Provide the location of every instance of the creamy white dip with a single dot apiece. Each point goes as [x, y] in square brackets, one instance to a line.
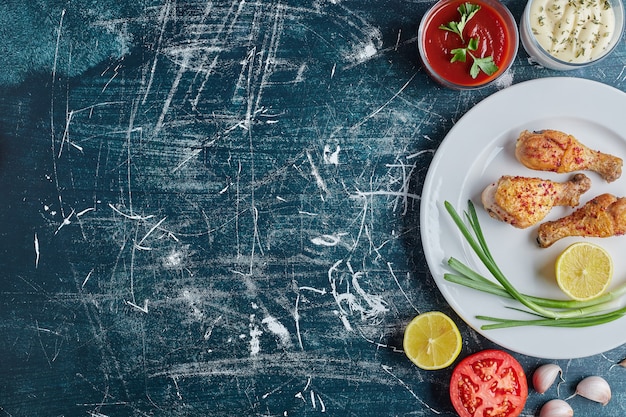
[573, 30]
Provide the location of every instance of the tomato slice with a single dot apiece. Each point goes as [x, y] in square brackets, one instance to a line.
[490, 383]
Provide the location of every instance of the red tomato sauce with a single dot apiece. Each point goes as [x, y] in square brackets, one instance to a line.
[494, 39]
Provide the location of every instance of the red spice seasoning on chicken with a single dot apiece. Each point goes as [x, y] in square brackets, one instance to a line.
[523, 201]
[552, 150]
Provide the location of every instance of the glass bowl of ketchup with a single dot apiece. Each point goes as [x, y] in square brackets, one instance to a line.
[467, 44]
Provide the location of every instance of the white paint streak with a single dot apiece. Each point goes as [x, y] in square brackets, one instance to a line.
[86, 279]
[255, 334]
[344, 320]
[322, 291]
[368, 45]
[322, 405]
[404, 384]
[168, 101]
[296, 318]
[192, 302]
[130, 216]
[388, 193]
[209, 330]
[152, 229]
[300, 75]
[395, 48]
[372, 308]
[174, 259]
[37, 254]
[189, 157]
[389, 265]
[143, 309]
[66, 221]
[381, 345]
[165, 11]
[376, 304]
[52, 111]
[331, 157]
[278, 329]
[328, 240]
[178, 394]
[318, 178]
[87, 210]
[375, 112]
[296, 313]
[368, 52]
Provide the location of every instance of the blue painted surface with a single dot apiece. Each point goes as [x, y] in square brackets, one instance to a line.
[211, 208]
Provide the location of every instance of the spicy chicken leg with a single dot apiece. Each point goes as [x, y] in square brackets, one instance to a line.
[551, 150]
[523, 202]
[604, 216]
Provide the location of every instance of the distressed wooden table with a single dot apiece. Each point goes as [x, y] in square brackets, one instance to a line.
[210, 208]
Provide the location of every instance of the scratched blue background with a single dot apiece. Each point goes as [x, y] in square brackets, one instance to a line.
[211, 208]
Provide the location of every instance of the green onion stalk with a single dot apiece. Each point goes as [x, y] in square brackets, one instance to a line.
[548, 312]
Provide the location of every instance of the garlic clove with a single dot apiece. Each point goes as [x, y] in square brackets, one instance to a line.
[594, 388]
[544, 377]
[556, 408]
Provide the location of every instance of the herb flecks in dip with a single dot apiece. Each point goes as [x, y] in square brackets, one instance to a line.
[575, 31]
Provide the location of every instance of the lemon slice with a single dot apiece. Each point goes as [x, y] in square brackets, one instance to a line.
[432, 340]
[584, 270]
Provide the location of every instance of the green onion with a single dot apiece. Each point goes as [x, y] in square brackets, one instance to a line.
[550, 312]
[472, 279]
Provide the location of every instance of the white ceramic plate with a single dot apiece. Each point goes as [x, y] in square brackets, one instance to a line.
[476, 152]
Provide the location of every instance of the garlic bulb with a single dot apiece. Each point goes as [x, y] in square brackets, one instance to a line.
[594, 388]
[544, 377]
[556, 408]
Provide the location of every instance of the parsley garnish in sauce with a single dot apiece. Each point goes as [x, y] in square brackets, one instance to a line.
[484, 64]
[467, 11]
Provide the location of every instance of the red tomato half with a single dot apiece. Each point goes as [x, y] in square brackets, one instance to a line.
[488, 383]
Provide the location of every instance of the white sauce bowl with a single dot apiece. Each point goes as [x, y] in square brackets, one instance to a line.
[543, 57]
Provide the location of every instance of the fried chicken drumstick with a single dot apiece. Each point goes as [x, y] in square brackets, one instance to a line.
[604, 216]
[552, 150]
[523, 202]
